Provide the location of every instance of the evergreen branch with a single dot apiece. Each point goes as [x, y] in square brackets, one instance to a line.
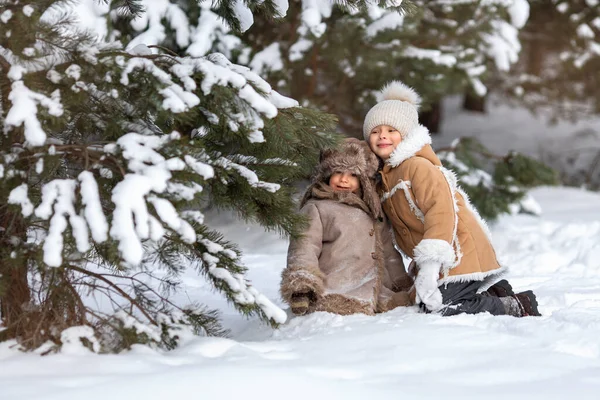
[131, 300]
[171, 52]
[4, 64]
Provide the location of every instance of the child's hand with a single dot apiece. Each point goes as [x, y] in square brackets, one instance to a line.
[426, 285]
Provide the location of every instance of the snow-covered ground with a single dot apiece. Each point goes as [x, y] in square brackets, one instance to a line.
[402, 353]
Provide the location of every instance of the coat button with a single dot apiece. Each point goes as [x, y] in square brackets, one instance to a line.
[405, 231]
[373, 255]
[371, 232]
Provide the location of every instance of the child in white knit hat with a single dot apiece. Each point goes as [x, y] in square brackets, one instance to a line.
[433, 220]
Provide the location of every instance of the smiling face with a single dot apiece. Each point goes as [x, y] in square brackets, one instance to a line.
[344, 182]
[383, 140]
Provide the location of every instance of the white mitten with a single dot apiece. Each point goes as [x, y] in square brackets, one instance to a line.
[426, 285]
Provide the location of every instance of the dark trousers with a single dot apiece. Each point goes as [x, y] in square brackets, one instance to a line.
[462, 298]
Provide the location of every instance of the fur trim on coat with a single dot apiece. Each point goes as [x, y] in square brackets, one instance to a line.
[355, 156]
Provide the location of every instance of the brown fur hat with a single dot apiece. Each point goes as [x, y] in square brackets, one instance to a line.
[352, 155]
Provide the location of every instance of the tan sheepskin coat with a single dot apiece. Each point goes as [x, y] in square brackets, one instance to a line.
[432, 217]
[346, 256]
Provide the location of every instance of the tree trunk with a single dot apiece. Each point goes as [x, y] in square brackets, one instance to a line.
[473, 102]
[14, 286]
[432, 119]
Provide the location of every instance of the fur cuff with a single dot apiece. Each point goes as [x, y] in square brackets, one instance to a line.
[435, 250]
[300, 280]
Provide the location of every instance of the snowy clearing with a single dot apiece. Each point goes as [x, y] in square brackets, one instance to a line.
[401, 353]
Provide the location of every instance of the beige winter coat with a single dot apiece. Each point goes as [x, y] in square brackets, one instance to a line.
[432, 217]
[346, 256]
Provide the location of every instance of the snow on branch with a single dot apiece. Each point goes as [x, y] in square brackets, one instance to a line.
[93, 213]
[19, 196]
[58, 197]
[247, 174]
[24, 111]
[243, 292]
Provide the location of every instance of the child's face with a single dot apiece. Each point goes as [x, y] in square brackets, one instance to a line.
[344, 182]
[383, 140]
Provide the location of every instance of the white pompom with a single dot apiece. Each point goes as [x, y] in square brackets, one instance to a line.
[397, 90]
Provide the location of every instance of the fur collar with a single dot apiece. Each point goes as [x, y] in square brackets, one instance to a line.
[322, 191]
[410, 145]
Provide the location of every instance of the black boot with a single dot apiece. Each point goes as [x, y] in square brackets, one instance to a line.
[528, 303]
[501, 289]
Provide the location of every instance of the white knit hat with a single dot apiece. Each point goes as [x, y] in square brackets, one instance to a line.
[399, 109]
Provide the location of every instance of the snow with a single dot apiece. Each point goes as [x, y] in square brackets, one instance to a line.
[73, 71]
[6, 16]
[151, 28]
[91, 16]
[562, 7]
[202, 169]
[281, 102]
[248, 174]
[168, 214]
[24, 111]
[243, 15]
[141, 50]
[391, 20]
[519, 13]
[93, 213]
[584, 31]
[268, 59]
[403, 352]
[19, 196]
[282, 7]
[132, 222]
[435, 56]
[72, 343]
[58, 197]
[39, 166]
[298, 49]
[259, 103]
[503, 45]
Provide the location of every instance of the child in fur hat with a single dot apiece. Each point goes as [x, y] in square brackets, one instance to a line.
[345, 262]
[433, 220]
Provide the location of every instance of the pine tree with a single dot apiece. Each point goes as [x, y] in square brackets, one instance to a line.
[437, 47]
[558, 75]
[106, 158]
[496, 184]
[333, 55]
